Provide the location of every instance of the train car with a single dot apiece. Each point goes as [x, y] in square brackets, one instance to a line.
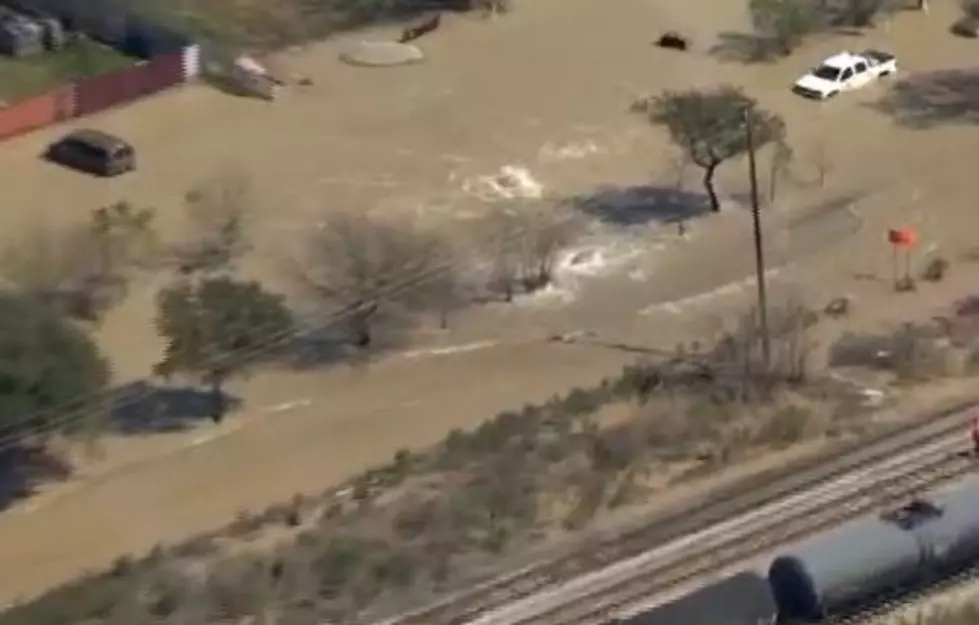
[869, 558]
[742, 599]
[950, 539]
[830, 572]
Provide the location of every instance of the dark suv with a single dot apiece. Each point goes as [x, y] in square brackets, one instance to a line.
[94, 152]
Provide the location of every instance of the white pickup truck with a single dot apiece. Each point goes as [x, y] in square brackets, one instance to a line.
[844, 72]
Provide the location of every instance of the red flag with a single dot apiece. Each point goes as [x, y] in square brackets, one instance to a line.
[902, 237]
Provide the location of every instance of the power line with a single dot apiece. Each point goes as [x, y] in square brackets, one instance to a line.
[78, 409]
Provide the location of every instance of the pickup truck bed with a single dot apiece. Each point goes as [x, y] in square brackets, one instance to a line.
[877, 56]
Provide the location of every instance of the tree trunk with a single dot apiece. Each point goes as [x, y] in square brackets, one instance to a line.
[361, 331]
[360, 325]
[715, 203]
[218, 407]
[444, 317]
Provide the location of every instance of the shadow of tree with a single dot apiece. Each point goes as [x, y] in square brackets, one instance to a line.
[138, 408]
[928, 99]
[145, 408]
[641, 204]
[24, 468]
[331, 345]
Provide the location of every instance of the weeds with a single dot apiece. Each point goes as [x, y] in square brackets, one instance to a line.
[936, 269]
[786, 426]
[408, 528]
[912, 352]
[965, 613]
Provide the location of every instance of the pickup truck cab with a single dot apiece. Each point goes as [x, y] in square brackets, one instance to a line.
[845, 72]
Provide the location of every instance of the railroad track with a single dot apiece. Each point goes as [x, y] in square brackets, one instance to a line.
[605, 604]
[709, 511]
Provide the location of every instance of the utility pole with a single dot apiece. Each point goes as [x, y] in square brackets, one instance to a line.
[766, 345]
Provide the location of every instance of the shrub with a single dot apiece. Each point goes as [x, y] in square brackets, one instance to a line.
[636, 382]
[785, 426]
[625, 490]
[917, 354]
[245, 523]
[615, 449]
[362, 491]
[936, 269]
[339, 561]
[294, 514]
[581, 402]
[781, 25]
[913, 352]
[195, 547]
[496, 539]
[415, 517]
[861, 350]
[398, 569]
[589, 498]
[859, 13]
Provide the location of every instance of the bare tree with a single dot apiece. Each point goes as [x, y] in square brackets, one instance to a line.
[737, 356]
[124, 238]
[822, 162]
[781, 161]
[780, 26]
[447, 294]
[677, 169]
[859, 13]
[363, 266]
[84, 268]
[43, 260]
[500, 232]
[218, 211]
[523, 240]
[492, 8]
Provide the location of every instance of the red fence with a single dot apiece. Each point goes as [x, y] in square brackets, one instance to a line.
[91, 95]
[37, 112]
[127, 84]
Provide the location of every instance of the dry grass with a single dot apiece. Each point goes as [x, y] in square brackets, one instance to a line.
[424, 523]
[958, 613]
